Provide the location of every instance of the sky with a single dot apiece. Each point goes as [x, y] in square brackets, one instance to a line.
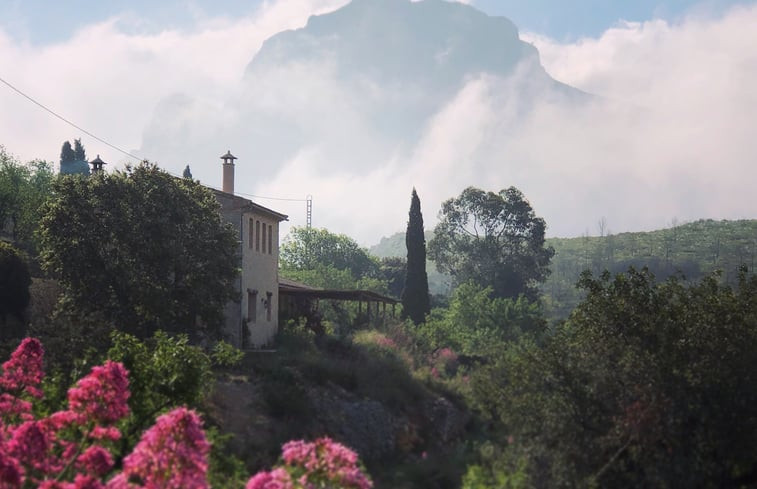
[671, 138]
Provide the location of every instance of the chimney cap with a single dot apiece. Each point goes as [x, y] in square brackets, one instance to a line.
[228, 157]
[97, 164]
[98, 160]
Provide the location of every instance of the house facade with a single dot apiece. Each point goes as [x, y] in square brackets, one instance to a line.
[252, 320]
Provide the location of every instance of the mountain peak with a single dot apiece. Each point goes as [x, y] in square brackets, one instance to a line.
[400, 39]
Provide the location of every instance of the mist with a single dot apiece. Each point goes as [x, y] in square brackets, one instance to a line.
[668, 135]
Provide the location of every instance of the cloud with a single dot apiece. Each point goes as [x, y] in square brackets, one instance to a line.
[670, 135]
[109, 80]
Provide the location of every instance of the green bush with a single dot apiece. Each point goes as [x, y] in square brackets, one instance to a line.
[14, 289]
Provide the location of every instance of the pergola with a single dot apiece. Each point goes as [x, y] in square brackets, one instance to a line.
[296, 290]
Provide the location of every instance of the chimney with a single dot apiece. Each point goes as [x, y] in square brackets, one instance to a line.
[228, 172]
[97, 165]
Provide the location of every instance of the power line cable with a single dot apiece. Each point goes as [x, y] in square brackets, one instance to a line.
[44, 107]
[49, 110]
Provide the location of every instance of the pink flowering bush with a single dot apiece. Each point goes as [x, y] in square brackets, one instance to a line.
[323, 463]
[71, 448]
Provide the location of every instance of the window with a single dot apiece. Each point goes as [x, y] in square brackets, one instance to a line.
[263, 237]
[252, 305]
[268, 296]
[257, 235]
[270, 239]
[251, 233]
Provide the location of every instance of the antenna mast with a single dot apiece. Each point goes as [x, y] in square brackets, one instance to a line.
[309, 218]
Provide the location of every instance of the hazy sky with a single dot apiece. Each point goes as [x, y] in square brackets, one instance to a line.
[672, 136]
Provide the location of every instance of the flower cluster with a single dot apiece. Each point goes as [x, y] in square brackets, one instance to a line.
[62, 450]
[69, 448]
[386, 342]
[444, 362]
[322, 463]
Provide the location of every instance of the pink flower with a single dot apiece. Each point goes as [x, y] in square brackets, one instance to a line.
[102, 395]
[171, 455]
[326, 460]
[13, 406]
[447, 354]
[95, 460]
[11, 473]
[30, 445]
[434, 372]
[24, 368]
[105, 433]
[82, 481]
[275, 479]
[387, 342]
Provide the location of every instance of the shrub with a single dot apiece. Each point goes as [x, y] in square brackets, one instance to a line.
[73, 448]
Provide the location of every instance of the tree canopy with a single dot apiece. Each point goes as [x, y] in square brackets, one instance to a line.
[646, 385]
[14, 286]
[146, 250]
[310, 249]
[493, 239]
[415, 300]
[23, 189]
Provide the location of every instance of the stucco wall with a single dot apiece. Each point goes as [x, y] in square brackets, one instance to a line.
[259, 272]
[260, 277]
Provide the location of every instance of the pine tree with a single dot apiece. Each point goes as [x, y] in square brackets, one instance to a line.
[415, 300]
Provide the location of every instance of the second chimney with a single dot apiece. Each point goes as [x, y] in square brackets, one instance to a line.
[228, 172]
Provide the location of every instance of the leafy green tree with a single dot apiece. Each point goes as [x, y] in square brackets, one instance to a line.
[144, 249]
[494, 239]
[646, 385]
[392, 271]
[14, 288]
[23, 189]
[309, 248]
[477, 323]
[415, 301]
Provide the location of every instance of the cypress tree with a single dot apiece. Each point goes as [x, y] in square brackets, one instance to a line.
[415, 300]
[79, 153]
[67, 154]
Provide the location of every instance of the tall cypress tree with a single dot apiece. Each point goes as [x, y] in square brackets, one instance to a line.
[415, 301]
[67, 154]
[79, 153]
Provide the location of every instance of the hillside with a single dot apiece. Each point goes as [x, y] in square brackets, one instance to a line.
[694, 249]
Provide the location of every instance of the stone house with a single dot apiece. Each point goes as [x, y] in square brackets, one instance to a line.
[252, 321]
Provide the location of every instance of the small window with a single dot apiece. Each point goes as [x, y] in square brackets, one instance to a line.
[263, 237]
[251, 233]
[268, 296]
[252, 305]
[257, 235]
[270, 239]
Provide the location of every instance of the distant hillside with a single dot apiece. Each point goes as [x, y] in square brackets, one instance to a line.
[692, 249]
[394, 245]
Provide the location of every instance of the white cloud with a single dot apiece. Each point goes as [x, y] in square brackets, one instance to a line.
[672, 134]
[110, 82]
